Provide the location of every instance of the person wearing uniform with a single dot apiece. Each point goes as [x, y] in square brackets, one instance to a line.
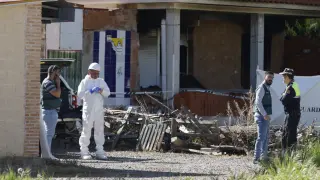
[93, 90]
[262, 113]
[291, 102]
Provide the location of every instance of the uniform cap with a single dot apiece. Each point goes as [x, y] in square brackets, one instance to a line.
[287, 71]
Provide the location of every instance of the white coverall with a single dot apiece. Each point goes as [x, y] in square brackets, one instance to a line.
[92, 113]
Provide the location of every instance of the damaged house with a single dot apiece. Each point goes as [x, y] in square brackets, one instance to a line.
[199, 52]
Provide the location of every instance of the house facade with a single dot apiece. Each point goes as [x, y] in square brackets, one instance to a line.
[181, 45]
[219, 43]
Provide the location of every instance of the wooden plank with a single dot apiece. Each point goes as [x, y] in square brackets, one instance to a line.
[143, 136]
[197, 134]
[164, 127]
[152, 132]
[140, 138]
[195, 122]
[199, 151]
[151, 137]
[160, 134]
[155, 144]
[156, 137]
[146, 135]
[115, 142]
[174, 126]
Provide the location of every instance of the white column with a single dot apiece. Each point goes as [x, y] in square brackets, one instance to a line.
[256, 46]
[173, 51]
[164, 58]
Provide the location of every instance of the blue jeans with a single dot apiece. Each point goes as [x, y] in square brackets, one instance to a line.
[261, 147]
[50, 118]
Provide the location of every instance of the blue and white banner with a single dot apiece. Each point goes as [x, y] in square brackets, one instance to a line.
[112, 50]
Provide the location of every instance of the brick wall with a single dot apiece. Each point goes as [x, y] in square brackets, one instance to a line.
[19, 79]
[217, 54]
[33, 35]
[124, 19]
[121, 19]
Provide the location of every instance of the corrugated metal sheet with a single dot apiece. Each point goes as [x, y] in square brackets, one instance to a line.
[73, 73]
[298, 2]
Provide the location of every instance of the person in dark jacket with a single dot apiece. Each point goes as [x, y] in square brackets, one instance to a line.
[291, 102]
[262, 113]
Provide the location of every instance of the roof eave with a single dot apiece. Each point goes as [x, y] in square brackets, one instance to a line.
[107, 3]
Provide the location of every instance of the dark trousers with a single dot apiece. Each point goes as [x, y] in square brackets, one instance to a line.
[289, 137]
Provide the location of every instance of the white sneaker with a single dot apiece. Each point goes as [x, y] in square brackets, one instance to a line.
[54, 158]
[86, 157]
[51, 157]
[101, 156]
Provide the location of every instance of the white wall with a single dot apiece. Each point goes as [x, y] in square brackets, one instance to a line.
[12, 80]
[53, 36]
[66, 35]
[71, 32]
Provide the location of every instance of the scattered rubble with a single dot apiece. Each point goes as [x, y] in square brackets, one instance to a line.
[185, 131]
[152, 126]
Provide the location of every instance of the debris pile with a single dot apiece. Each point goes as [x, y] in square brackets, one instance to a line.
[174, 130]
[151, 125]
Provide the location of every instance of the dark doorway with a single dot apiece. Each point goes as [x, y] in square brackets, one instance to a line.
[183, 59]
[245, 61]
[267, 51]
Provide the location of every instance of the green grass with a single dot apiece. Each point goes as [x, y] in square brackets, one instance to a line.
[302, 164]
[12, 175]
[289, 168]
[312, 152]
[21, 174]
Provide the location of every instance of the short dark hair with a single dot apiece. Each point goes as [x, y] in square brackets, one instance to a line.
[268, 73]
[290, 76]
[53, 68]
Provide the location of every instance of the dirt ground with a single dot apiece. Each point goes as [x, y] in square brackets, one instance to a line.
[156, 165]
[132, 165]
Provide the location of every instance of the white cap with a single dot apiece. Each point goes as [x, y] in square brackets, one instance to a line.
[94, 66]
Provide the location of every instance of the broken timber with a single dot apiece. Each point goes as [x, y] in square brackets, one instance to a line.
[151, 137]
[115, 141]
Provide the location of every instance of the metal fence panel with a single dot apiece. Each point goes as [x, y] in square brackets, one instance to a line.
[72, 74]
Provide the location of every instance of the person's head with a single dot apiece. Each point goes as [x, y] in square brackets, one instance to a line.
[94, 70]
[268, 77]
[54, 71]
[288, 75]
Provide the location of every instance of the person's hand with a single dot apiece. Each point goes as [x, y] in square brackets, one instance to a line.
[57, 80]
[267, 117]
[100, 91]
[95, 90]
[92, 90]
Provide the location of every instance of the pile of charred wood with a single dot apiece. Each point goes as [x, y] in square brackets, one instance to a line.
[179, 130]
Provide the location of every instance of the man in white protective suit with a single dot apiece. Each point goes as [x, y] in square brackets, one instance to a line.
[92, 90]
